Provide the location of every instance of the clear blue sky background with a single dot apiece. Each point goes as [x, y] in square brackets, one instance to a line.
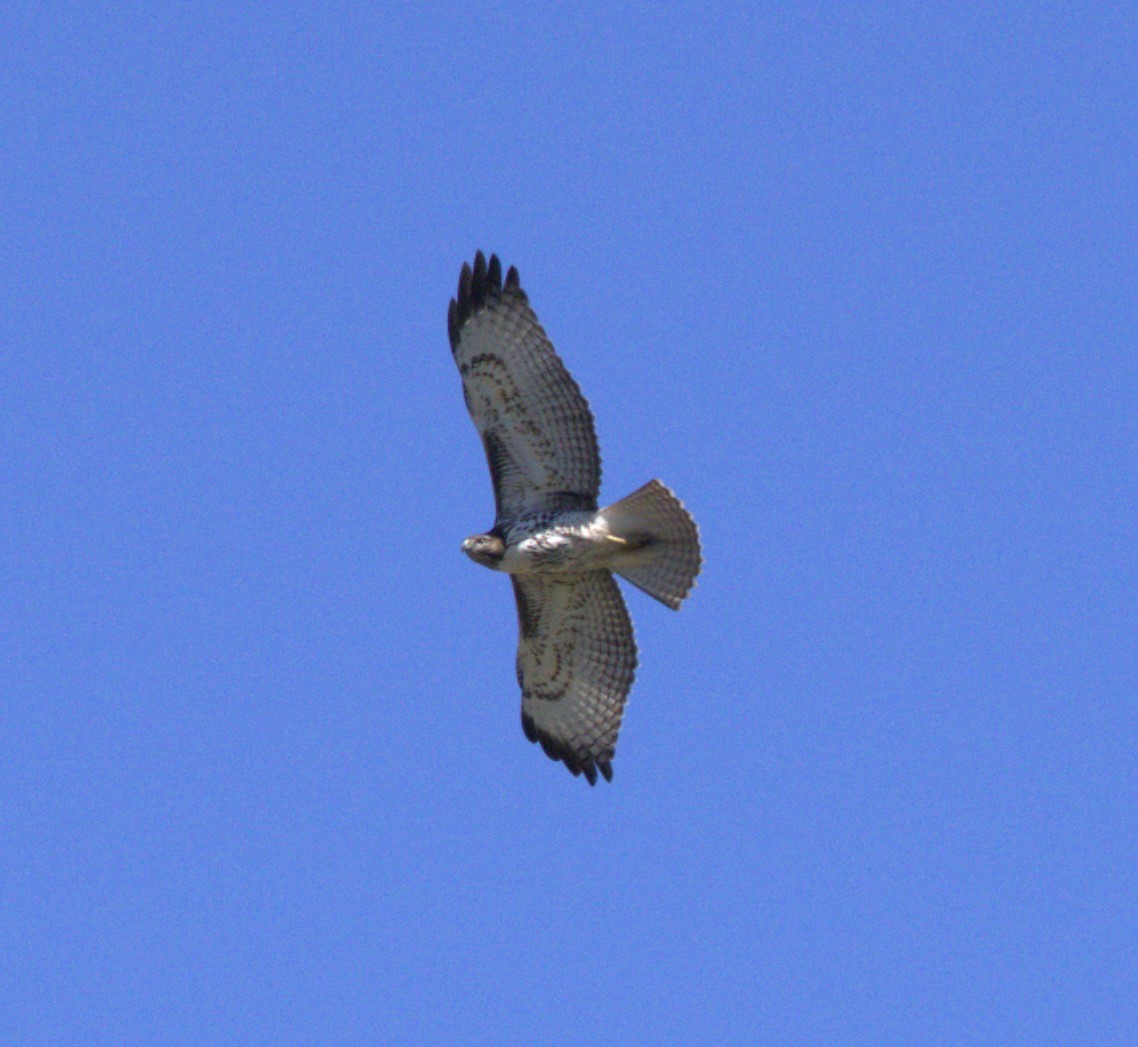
[859, 282]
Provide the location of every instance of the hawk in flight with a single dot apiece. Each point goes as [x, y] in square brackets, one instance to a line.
[576, 650]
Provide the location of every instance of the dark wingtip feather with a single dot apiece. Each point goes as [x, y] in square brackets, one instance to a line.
[528, 727]
[478, 284]
[556, 750]
[475, 286]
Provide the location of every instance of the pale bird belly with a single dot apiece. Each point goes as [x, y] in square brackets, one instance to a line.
[557, 552]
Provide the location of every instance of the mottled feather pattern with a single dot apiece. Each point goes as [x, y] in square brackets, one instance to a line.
[535, 425]
[576, 665]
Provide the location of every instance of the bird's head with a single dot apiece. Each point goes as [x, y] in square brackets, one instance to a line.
[486, 549]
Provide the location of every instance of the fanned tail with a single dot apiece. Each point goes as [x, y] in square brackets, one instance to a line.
[661, 542]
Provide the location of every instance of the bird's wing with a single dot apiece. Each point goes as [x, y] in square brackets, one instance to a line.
[535, 425]
[576, 663]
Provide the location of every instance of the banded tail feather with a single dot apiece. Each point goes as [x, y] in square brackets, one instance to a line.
[662, 541]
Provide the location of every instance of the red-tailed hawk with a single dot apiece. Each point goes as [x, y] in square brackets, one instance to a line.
[576, 651]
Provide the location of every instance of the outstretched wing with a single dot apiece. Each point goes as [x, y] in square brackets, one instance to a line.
[535, 424]
[576, 662]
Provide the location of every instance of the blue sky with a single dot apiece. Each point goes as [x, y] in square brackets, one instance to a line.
[859, 282]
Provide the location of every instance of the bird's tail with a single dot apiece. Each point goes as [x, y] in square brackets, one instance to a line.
[659, 543]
